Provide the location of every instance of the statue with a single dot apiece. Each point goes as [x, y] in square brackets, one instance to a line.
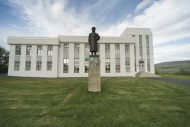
[93, 39]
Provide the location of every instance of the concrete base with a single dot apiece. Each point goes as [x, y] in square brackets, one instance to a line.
[94, 81]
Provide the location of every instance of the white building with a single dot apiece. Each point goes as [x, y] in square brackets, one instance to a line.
[67, 56]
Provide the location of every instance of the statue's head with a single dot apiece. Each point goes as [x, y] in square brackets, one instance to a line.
[93, 29]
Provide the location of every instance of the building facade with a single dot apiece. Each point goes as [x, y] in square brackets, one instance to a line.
[67, 56]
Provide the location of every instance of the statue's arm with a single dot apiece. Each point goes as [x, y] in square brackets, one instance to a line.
[89, 38]
[98, 37]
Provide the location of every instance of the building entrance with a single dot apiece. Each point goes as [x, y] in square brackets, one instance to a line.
[141, 66]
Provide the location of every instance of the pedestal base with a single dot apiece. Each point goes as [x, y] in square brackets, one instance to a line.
[94, 81]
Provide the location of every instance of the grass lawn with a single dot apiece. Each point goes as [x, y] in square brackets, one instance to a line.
[65, 102]
[183, 77]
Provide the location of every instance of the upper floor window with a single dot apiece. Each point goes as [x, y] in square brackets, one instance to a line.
[107, 48]
[39, 50]
[133, 35]
[66, 48]
[17, 50]
[50, 50]
[76, 46]
[126, 48]
[87, 48]
[117, 49]
[147, 40]
[140, 39]
[29, 50]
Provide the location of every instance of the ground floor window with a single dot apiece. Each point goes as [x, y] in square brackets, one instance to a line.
[107, 65]
[28, 66]
[49, 65]
[38, 65]
[65, 65]
[86, 65]
[17, 66]
[76, 65]
[127, 65]
[117, 65]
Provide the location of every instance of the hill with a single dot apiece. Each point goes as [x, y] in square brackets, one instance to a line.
[174, 65]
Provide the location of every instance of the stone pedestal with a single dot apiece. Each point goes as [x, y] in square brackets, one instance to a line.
[94, 81]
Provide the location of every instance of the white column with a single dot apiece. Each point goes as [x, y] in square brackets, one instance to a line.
[132, 68]
[22, 59]
[55, 61]
[71, 58]
[11, 60]
[137, 53]
[112, 59]
[44, 58]
[33, 59]
[151, 54]
[122, 59]
[81, 58]
[144, 52]
[60, 57]
[102, 59]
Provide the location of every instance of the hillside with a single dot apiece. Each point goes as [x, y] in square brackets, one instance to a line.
[174, 65]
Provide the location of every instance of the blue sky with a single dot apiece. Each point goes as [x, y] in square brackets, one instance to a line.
[169, 21]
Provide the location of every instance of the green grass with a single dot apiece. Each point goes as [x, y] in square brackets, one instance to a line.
[65, 102]
[183, 77]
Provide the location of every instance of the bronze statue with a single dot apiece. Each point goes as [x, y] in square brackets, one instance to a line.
[93, 39]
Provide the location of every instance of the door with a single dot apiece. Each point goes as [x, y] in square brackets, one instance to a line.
[141, 66]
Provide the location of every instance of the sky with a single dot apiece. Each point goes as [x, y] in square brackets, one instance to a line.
[169, 21]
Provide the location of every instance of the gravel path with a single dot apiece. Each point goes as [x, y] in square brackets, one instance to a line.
[172, 80]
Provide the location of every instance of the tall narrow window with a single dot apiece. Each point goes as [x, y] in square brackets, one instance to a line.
[107, 48]
[117, 49]
[38, 65]
[66, 48]
[140, 39]
[28, 66]
[86, 65]
[39, 50]
[141, 52]
[117, 65]
[17, 50]
[49, 65]
[87, 48]
[65, 65]
[17, 66]
[127, 64]
[147, 40]
[50, 50]
[148, 65]
[126, 48]
[107, 65]
[29, 50]
[76, 65]
[76, 48]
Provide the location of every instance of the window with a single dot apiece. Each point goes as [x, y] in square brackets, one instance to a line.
[117, 49]
[49, 65]
[127, 64]
[140, 39]
[117, 65]
[38, 65]
[28, 65]
[148, 65]
[141, 52]
[39, 50]
[76, 48]
[107, 65]
[17, 66]
[50, 50]
[86, 65]
[87, 48]
[133, 35]
[135, 65]
[147, 40]
[107, 48]
[135, 51]
[18, 50]
[65, 65]
[66, 48]
[126, 48]
[29, 50]
[76, 65]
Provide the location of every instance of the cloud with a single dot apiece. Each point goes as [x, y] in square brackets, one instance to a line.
[172, 53]
[143, 5]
